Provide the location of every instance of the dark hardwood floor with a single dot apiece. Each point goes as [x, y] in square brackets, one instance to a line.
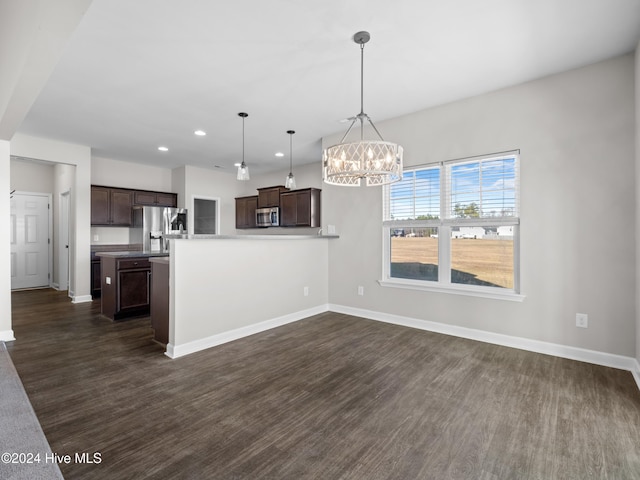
[329, 397]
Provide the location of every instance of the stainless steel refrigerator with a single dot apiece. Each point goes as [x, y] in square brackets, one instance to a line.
[152, 224]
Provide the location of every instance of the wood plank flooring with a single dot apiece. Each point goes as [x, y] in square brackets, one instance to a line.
[329, 397]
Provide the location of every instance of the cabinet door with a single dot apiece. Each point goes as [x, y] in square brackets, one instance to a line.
[288, 210]
[246, 212]
[269, 197]
[144, 198]
[273, 197]
[166, 199]
[133, 289]
[252, 205]
[241, 213]
[303, 209]
[100, 206]
[121, 203]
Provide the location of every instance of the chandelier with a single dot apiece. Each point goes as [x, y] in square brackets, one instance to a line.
[377, 161]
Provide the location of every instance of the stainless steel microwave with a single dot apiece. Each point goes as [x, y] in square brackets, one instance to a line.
[268, 217]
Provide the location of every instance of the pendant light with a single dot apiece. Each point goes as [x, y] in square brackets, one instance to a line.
[290, 182]
[377, 161]
[243, 170]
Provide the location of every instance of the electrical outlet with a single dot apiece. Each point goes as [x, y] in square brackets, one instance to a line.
[107, 280]
[582, 320]
[96, 238]
[360, 290]
[306, 291]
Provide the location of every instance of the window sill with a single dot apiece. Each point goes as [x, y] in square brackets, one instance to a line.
[491, 293]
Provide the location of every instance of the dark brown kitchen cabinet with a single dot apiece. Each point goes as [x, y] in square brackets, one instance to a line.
[246, 212]
[126, 284]
[300, 208]
[111, 206]
[160, 300]
[270, 196]
[95, 277]
[158, 199]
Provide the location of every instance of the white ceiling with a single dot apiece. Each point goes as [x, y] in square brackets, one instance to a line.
[139, 74]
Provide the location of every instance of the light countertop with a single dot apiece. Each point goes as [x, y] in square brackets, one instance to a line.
[132, 254]
[248, 237]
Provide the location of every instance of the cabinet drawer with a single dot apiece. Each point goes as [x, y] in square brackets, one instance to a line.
[134, 263]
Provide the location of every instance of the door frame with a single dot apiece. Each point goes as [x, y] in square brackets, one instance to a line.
[49, 227]
[63, 254]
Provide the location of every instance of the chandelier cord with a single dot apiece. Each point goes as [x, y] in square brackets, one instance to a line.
[362, 114]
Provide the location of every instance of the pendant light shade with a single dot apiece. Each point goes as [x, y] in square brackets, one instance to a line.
[377, 161]
[243, 170]
[290, 182]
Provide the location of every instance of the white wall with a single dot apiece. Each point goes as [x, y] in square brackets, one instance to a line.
[637, 93]
[178, 184]
[575, 131]
[30, 176]
[6, 332]
[80, 156]
[223, 285]
[116, 173]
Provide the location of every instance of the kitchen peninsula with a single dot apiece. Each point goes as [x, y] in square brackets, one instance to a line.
[224, 287]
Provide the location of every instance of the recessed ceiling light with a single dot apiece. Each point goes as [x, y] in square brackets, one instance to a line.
[279, 154]
[200, 133]
[163, 149]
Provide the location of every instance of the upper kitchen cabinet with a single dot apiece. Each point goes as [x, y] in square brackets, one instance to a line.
[158, 199]
[300, 208]
[111, 206]
[270, 196]
[246, 212]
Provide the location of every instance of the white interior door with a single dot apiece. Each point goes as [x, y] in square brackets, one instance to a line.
[29, 233]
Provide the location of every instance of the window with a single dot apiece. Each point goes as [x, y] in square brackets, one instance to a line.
[205, 215]
[454, 226]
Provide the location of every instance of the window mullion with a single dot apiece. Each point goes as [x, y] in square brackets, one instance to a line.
[444, 254]
[444, 231]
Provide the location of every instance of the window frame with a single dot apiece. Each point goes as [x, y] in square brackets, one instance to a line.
[445, 223]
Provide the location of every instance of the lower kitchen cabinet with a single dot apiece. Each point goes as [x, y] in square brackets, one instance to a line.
[96, 287]
[126, 284]
[300, 208]
[160, 299]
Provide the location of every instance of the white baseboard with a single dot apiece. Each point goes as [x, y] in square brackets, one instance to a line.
[563, 351]
[175, 351]
[7, 336]
[81, 299]
[636, 373]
